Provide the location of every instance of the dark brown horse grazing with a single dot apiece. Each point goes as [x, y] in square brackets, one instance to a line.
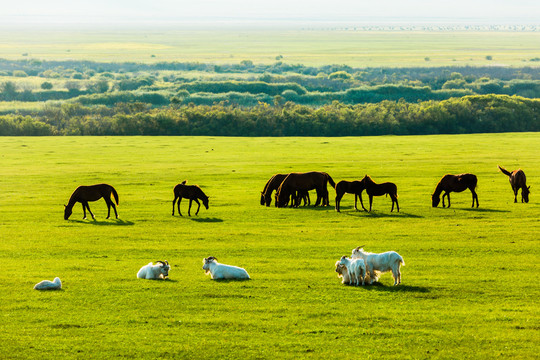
[191, 192]
[350, 187]
[271, 185]
[84, 194]
[374, 189]
[457, 183]
[518, 180]
[304, 182]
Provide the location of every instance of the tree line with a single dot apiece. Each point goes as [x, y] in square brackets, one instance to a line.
[468, 114]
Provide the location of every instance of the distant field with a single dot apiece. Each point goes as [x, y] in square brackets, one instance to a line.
[470, 287]
[310, 47]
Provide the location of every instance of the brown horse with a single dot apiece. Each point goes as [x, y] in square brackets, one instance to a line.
[304, 182]
[374, 189]
[84, 194]
[518, 180]
[191, 192]
[271, 185]
[350, 187]
[457, 183]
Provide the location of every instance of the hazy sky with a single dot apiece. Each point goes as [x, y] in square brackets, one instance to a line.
[177, 11]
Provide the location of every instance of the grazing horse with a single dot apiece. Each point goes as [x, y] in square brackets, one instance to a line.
[191, 192]
[351, 187]
[374, 189]
[271, 185]
[518, 180]
[457, 183]
[304, 182]
[84, 194]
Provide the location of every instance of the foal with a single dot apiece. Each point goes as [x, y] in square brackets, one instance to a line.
[191, 192]
[350, 187]
[374, 189]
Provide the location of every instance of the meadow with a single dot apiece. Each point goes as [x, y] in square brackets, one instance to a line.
[357, 47]
[469, 287]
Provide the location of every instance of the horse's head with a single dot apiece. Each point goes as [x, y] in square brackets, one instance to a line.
[525, 191]
[435, 200]
[205, 202]
[263, 202]
[282, 199]
[68, 210]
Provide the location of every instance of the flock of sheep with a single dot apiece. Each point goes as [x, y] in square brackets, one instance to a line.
[360, 268]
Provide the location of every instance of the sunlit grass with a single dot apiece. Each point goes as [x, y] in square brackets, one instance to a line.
[469, 285]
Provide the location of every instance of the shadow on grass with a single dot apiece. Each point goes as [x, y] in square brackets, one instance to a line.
[399, 288]
[113, 222]
[210, 220]
[377, 214]
[480, 210]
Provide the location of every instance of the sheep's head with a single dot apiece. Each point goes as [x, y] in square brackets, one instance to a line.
[164, 268]
[342, 261]
[340, 268]
[206, 263]
[358, 251]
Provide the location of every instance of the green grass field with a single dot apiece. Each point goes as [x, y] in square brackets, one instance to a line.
[470, 285]
[301, 46]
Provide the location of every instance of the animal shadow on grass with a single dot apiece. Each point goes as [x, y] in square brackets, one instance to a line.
[381, 214]
[115, 222]
[485, 210]
[209, 220]
[377, 286]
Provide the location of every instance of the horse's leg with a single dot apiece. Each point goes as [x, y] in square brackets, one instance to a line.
[178, 204]
[114, 208]
[90, 211]
[515, 194]
[370, 201]
[362, 202]
[355, 202]
[189, 209]
[198, 206]
[173, 202]
[84, 210]
[394, 198]
[475, 196]
[338, 199]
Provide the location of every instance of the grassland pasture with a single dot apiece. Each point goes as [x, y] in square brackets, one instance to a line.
[319, 46]
[469, 288]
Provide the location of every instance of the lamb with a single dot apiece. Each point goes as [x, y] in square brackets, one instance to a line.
[56, 284]
[154, 272]
[356, 269]
[379, 263]
[342, 273]
[221, 271]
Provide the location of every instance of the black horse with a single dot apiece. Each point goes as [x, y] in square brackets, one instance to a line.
[350, 187]
[457, 183]
[374, 189]
[84, 194]
[191, 192]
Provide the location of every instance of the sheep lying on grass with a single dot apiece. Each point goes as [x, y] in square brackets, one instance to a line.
[355, 269]
[56, 284]
[380, 263]
[154, 272]
[221, 271]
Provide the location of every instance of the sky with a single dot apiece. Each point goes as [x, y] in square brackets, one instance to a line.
[182, 11]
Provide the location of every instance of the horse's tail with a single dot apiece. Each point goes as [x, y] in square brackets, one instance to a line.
[115, 194]
[504, 171]
[330, 180]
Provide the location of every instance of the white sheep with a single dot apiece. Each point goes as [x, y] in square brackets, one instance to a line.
[56, 284]
[380, 263]
[154, 272]
[355, 268]
[221, 271]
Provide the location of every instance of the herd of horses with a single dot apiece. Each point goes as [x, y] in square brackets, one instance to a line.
[291, 189]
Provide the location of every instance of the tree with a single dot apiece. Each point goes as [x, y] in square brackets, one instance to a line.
[46, 85]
